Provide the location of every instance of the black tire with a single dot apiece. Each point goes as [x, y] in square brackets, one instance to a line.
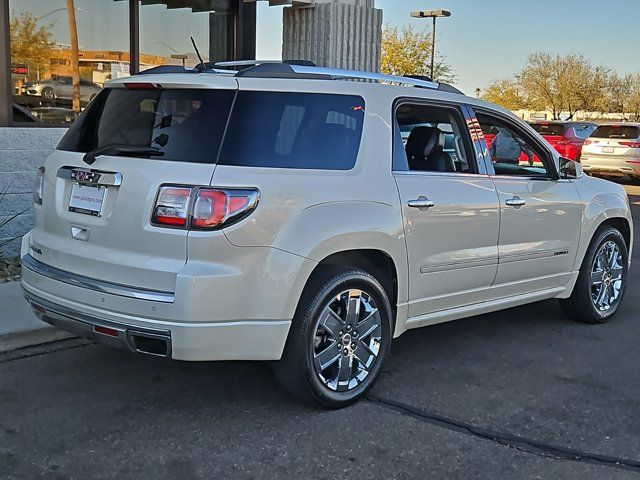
[296, 371]
[580, 306]
[48, 94]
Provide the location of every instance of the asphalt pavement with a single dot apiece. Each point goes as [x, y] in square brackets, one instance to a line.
[518, 394]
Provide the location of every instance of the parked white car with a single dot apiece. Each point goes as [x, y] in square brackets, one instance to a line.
[275, 214]
[613, 150]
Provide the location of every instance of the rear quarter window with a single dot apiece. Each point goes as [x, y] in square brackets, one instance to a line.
[616, 131]
[294, 130]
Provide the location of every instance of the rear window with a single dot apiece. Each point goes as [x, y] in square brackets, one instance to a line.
[187, 125]
[548, 128]
[616, 131]
[294, 130]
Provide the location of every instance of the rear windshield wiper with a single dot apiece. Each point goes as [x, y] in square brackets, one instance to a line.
[124, 151]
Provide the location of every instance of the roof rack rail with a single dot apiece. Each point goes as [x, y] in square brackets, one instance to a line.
[302, 69]
[252, 63]
[166, 69]
[288, 69]
[180, 69]
[337, 73]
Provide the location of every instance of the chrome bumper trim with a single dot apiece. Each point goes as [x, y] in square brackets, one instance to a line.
[93, 284]
[83, 325]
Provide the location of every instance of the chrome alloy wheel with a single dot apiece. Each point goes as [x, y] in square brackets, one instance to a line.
[606, 276]
[347, 340]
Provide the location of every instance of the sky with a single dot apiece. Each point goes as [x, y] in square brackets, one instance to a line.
[482, 40]
[488, 39]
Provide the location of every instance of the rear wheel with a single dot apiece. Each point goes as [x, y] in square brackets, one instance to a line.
[339, 339]
[602, 281]
[48, 94]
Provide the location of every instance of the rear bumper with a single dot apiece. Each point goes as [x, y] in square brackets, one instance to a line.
[250, 340]
[104, 312]
[617, 166]
[100, 330]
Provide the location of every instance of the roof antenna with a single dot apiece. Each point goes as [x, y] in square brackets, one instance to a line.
[200, 67]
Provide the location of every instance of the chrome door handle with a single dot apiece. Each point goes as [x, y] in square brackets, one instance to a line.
[422, 203]
[515, 202]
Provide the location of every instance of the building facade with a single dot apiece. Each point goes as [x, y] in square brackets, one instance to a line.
[114, 38]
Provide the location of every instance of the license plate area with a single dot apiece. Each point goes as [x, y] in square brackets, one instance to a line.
[87, 199]
[607, 149]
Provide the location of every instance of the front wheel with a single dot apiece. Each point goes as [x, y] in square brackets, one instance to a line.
[602, 280]
[339, 339]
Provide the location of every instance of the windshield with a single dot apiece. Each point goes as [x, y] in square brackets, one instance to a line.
[186, 125]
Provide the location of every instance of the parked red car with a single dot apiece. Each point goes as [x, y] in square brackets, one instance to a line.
[566, 137]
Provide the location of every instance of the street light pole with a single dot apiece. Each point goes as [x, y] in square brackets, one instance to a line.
[54, 11]
[433, 14]
[433, 45]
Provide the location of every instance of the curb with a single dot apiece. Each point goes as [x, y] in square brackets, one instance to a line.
[30, 338]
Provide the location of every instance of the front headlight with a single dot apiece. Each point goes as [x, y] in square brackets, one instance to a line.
[37, 191]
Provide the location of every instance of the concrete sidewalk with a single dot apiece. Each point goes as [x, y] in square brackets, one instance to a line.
[19, 327]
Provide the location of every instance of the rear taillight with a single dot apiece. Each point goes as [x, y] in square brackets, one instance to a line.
[630, 144]
[202, 208]
[39, 186]
[588, 142]
[172, 206]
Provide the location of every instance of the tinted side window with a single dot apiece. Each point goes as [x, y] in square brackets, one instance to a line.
[294, 130]
[435, 139]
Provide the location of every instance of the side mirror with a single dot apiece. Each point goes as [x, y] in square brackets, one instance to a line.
[570, 169]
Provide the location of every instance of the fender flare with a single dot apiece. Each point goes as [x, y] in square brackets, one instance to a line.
[602, 208]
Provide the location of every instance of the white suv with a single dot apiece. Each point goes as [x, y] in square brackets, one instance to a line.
[277, 214]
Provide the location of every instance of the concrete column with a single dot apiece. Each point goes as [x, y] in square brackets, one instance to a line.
[334, 33]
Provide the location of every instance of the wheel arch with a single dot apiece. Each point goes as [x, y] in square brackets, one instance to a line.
[604, 210]
[377, 262]
[622, 225]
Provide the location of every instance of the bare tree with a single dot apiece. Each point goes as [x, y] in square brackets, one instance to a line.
[538, 80]
[583, 85]
[563, 83]
[623, 94]
[75, 54]
[634, 96]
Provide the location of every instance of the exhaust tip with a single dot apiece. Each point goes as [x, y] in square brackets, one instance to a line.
[150, 344]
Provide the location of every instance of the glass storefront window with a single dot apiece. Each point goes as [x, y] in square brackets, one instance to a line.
[42, 63]
[165, 32]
